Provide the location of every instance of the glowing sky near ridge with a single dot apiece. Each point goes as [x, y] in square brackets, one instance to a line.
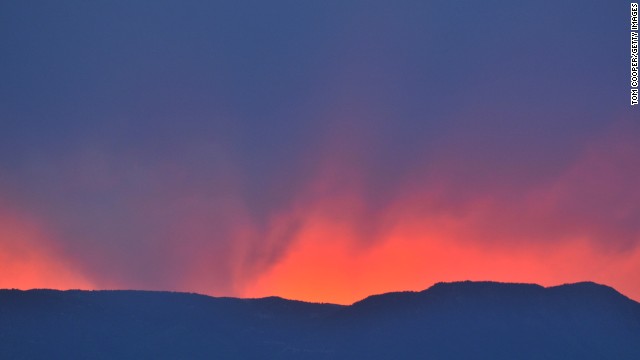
[321, 151]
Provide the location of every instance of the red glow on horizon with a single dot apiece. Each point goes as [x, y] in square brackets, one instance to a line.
[552, 233]
[332, 245]
[25, 261]
[322, 267]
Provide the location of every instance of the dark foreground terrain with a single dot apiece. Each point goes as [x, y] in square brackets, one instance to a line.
[467, 320]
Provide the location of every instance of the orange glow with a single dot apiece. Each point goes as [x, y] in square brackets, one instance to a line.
[26, 263]
[333, 244]
[578, 227]
[322, 267]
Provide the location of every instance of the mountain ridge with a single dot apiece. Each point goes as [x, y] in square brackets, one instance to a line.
[437, 285]
[445, 321]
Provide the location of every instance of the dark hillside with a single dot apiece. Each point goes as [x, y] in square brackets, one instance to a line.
[447, 321]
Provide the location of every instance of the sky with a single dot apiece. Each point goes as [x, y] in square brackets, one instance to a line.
[316, 150]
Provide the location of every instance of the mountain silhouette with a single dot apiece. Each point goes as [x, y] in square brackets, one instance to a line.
[462, 320]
